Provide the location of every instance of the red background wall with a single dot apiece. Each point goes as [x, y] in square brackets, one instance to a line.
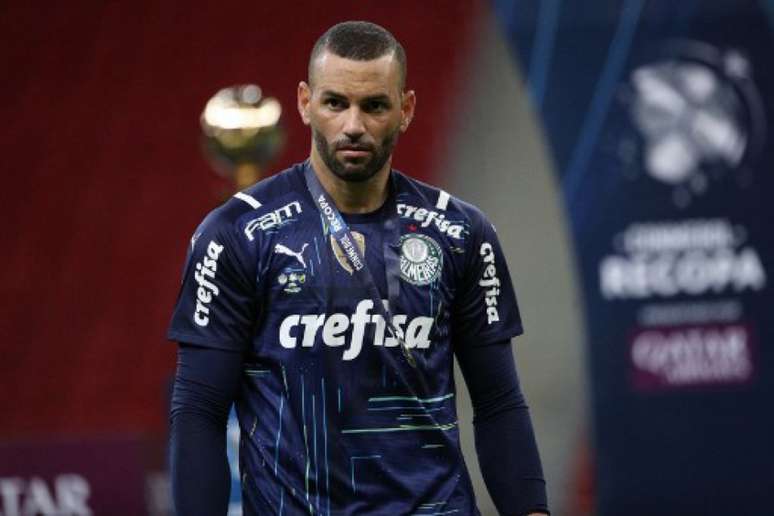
[103, 179]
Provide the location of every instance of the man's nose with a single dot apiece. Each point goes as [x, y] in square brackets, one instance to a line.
[353, 124]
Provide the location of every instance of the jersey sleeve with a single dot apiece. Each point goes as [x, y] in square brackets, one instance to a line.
[485, 309]
[217, 304]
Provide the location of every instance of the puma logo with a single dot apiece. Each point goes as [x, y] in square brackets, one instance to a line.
[281, 249]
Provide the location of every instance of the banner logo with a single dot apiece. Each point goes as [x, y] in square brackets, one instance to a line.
[689, 257]
[706, 355]
[697, 117]
[688, 277]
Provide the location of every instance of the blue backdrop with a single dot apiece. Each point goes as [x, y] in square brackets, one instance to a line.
[658, 117]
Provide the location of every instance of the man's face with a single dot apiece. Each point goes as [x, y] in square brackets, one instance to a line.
[356, 110]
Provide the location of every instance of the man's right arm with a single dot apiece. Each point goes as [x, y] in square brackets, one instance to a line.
[206, 383]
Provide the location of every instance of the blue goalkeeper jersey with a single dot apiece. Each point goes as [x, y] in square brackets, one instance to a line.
[332, 422]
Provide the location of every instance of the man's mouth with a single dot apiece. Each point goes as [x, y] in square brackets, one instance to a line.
[354, 151]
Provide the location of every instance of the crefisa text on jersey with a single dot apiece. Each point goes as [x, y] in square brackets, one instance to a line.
[205, 277]
[489, 279]
[337, 326]
[426, 217]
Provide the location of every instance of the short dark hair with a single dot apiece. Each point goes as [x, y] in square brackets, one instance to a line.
[359, 41]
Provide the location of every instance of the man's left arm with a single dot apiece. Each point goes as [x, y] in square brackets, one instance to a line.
[505, 441]
[485, 317]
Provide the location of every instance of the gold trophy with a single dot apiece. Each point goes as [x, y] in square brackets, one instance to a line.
[242, 133]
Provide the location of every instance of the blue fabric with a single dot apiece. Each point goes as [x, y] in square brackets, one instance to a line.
[206, 384]
[333, 421]
[505, 441]
[207, 381]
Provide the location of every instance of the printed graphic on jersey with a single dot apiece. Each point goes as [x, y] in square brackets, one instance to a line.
[205, 271]
[489, 280]
[341, 257]
[421, 259]
[292, 280]
[273, 219]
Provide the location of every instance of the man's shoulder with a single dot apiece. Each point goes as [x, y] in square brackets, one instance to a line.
[267, 192]
[265, 196]
[258, 197]
[433, 198]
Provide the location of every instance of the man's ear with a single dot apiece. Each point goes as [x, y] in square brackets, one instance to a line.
[304, 97]
[407, 106]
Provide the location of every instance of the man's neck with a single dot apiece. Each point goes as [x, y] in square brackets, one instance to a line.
[349, 196]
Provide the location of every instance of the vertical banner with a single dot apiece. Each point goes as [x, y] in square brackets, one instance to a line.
[658, 116]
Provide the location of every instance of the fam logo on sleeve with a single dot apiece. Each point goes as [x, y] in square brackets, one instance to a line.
[273, 220]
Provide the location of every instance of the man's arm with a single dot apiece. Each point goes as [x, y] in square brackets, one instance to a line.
[206, 383]
[505, 442]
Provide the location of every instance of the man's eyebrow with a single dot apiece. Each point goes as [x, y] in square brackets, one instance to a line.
[379, 97]
[331, 93]
[382, 97]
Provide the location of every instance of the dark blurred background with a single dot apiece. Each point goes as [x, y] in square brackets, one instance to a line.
[104, 179]
[585, 130]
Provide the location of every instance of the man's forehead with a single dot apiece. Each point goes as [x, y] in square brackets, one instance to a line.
[378, 76]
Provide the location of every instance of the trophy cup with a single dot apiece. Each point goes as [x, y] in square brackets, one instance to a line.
[242, 133]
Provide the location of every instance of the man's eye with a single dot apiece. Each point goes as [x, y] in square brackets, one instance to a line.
[376, 106]
[334, 103]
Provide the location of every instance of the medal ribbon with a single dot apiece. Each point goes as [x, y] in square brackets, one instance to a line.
[416, 383]
[352, 253]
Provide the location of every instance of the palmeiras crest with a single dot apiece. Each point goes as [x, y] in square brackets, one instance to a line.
[421, 259]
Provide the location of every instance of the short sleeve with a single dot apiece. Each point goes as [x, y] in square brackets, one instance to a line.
[485, 310]
[217, 305]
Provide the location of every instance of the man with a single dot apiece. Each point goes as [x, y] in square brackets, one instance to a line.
[326, 301]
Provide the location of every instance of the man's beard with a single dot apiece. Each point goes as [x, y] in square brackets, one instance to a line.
[349, 171]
